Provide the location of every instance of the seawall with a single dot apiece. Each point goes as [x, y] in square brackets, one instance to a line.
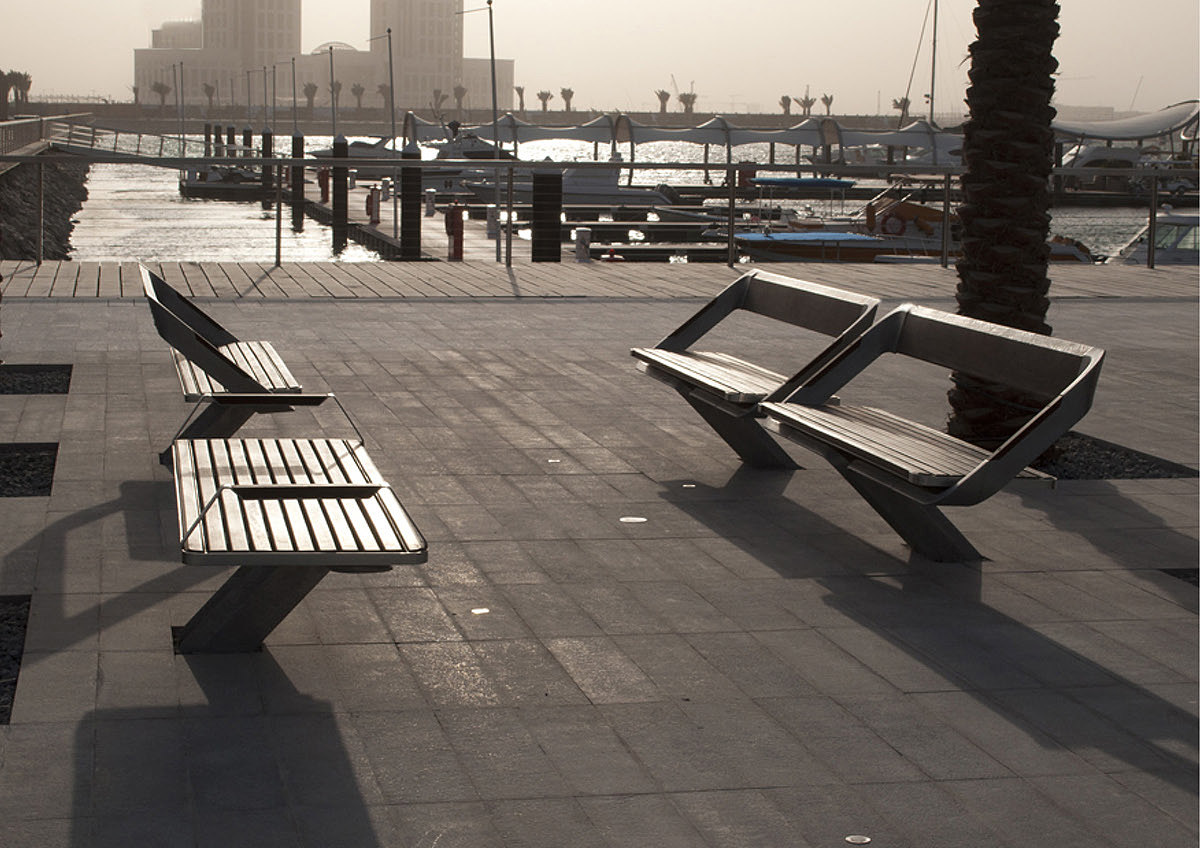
[64, 190]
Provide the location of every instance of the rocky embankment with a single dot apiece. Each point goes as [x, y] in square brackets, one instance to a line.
[64, 191]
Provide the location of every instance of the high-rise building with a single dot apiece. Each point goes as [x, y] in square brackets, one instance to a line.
[427, 39]
[258, 32]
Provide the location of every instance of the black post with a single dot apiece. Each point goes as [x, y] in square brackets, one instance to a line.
[297, 170]
[410, 206]
[247, 142]
[230, 141]
[546, 230]
[207, 140]
[268, 150]
[341, 151]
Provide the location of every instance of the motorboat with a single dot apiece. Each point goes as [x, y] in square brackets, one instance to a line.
[584, 186]
[1176, 241]
[459, 145]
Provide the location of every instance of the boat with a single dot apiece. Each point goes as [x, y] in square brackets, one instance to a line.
[582, 186]
[1176, 241]
[222, 182]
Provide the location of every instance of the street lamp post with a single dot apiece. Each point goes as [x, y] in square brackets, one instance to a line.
[495, 108]
[332, 94]
[395, 150]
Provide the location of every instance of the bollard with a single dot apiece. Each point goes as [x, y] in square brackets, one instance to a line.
[373, 204]
[352, 178]
[208, 128]
[386, 188]
[430, 201]
[493, 221]
[297, 170]
[583, 244]
[454, 228]
[230, 141]
[341, 152]
[247, 143]
[323, 183]
[546, 225]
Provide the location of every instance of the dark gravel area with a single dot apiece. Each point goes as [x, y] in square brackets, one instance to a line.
[27, 469]
[1079, 457]
[35, 379]
[14, 615]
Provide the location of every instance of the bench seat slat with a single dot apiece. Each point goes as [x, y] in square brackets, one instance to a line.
[316, 530]
[258, 359]
[919, 454]
[735, 379]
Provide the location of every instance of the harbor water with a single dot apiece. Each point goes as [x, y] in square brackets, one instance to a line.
[136, 212]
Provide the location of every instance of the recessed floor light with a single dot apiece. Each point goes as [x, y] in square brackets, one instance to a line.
[632, 519]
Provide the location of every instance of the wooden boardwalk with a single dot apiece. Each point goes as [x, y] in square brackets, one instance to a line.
[481, 279]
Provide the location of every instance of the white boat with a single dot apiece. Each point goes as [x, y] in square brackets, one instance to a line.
[1176, 241]
[580, 186]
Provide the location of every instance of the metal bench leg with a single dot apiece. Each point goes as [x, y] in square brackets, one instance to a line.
[745, 435]
[927, 531]
[250, 604]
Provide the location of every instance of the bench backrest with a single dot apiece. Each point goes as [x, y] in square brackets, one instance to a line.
[1062, 373]
[195, 336]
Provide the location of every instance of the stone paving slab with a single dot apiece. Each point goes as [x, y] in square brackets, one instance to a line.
[759, 663]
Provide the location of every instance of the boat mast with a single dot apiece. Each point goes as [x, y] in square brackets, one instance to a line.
[933, 61]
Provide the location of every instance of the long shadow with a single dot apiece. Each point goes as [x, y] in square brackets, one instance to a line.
[1134, 556]
[48, 549]
[935, 614]
[223, 772]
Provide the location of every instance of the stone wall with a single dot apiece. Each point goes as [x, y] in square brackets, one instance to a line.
[64, 191]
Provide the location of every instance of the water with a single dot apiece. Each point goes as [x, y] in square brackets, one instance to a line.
[136, 212]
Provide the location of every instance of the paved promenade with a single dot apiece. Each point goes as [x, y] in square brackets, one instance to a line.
[758, 663]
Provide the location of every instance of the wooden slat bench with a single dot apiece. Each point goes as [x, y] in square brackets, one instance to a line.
[236, 379]
[906, 470]
[286, 512]
[726, 389]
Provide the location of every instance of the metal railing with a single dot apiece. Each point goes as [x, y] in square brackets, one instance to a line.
[108, 146]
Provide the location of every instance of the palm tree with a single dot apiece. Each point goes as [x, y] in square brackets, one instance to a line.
[688, 99]
[827, 101]
[460, 92]
[162, 90]
[902, 104]
[385, 94]
[1008, 150]
[136, 93]
[545, 97]
[310, 94]
[786, 103]
[21, 83]
[335, 92]
[357, 91]
[567, 95]
[520, 90]
[209, 92]
[806, 103]
[663, 98]
[5, 88]
[438, 99]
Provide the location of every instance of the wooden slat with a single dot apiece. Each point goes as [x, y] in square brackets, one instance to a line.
[735, 379]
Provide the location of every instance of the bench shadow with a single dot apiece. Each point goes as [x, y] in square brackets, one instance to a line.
[224, 769]
[935, 614]
[47, 552]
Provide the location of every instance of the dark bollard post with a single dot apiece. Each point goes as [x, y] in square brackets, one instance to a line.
[341, 151]
[410, 207]
[547, 216]
[207, 140]
[298, 171]
[247, 142]
[230, 141]
[268, 150]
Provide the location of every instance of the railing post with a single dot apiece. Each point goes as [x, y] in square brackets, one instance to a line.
[1152, 232]
[41, 212]
[278, 215]
[731, 180]
[946, 222]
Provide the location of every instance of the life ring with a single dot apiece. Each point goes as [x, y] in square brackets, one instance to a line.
[893, 225]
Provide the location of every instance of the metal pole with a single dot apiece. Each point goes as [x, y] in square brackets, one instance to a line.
[278, 215]
[332, 93]
[392, 98]
[264, 95]
[495, 115]
[946, 223]
[295, 117]
[1152, 232]
[508, 224]
[933, 68]
[731, 179]
[41, 212]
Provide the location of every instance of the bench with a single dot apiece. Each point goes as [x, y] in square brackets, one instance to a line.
[726, 389]
[236, 379]
[286, 512]
[906, 470]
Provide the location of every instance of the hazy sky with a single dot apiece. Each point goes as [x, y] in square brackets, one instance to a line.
[737, 57]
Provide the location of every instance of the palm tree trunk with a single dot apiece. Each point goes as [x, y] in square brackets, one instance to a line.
[1008, 150]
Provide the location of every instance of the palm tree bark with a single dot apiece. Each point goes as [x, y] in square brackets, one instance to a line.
[1008, 148]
